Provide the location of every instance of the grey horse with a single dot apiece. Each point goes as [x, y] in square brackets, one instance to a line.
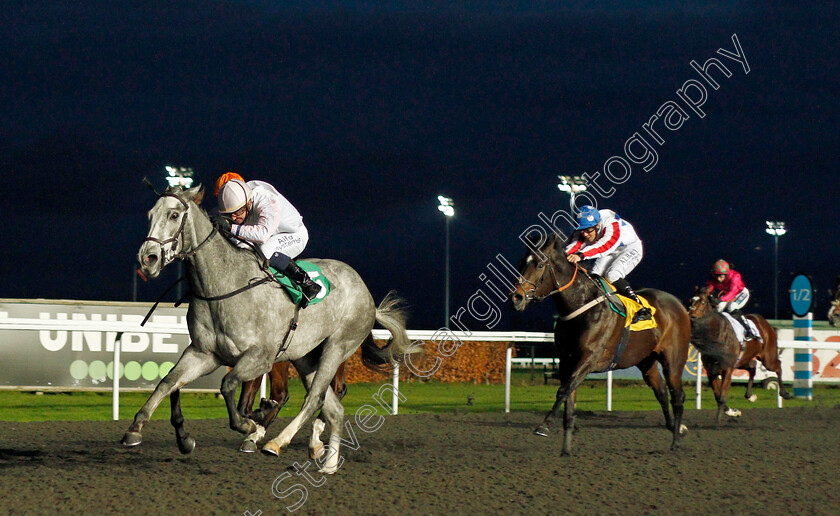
[238, 319]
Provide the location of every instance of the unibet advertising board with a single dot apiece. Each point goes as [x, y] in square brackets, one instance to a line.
[54, 344]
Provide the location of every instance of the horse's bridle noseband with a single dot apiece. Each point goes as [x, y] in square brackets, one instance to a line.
[170, 255]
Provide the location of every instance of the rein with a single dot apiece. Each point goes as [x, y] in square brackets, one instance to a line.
[558, 288]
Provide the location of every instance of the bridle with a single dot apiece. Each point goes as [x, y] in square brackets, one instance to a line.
[170, 255]
[531, 293]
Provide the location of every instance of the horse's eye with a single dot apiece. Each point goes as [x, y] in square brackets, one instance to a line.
[174, 215]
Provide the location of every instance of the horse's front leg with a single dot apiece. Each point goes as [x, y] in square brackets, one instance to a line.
[569, 382]
[569, 423]
[193, 364]
[750, 367]
[726, 384]
[186, 443]
[252, 364]
[715, 382]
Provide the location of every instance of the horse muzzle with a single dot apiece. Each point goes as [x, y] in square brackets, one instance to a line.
[150, 260]
[519, 298]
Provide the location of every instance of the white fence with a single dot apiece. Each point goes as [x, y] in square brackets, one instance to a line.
[132, 327]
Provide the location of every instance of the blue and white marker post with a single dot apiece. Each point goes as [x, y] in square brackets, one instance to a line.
[801, 301]
[803, 383]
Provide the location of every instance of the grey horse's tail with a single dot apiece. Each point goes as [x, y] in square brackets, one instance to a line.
[391, 315]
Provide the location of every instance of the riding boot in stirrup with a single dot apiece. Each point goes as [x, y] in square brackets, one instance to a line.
[309, 288]
[748, 334]
[624, 288]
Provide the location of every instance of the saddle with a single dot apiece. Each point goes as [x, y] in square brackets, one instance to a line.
[628, 308]
[292, 289]
[738, 328]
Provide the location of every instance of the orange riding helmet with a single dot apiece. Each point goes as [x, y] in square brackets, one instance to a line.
[224, 178]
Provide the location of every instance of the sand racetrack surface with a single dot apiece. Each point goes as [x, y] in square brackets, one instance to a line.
[770, 461]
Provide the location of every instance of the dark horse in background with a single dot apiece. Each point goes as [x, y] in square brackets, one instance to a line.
[834, 311]
[588, 333]
[713, 336]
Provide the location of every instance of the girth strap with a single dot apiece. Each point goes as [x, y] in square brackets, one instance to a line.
[619, 351]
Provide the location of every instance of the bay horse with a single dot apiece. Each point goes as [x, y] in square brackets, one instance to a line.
[588, 333]
[278, 382]
[242, 318]
[713, 336]
[834, 311]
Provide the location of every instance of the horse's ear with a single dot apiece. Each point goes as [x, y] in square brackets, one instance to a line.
[196, 194]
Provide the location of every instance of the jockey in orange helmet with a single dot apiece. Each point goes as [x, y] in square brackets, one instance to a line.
[256, 212]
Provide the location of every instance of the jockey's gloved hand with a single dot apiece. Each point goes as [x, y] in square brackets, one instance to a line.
[221, 222]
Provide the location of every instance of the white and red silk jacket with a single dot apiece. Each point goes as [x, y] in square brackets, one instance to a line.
[270, 214]
[731, 286]
[613, 234]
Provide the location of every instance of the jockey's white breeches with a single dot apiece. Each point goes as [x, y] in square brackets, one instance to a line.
[619, 264]
[739, 302]
[290, 244]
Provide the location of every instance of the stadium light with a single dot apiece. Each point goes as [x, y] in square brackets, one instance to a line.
[571, 185]
[775, 229]
[179, 176]
[447, 207]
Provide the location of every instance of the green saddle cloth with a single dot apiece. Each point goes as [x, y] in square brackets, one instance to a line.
[314, 272]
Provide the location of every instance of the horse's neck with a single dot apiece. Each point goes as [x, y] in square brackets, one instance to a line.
[218, 266]
[580, 291]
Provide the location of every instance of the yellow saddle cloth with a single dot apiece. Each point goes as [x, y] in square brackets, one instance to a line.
[631, 307]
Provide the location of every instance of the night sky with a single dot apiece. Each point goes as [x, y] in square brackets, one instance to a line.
[361, 115]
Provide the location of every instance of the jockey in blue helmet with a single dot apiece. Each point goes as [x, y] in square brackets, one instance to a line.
[611, 241]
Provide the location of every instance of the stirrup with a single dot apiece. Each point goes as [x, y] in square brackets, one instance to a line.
[643, 314]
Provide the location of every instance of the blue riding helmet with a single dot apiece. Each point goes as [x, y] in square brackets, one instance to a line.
[588, 217]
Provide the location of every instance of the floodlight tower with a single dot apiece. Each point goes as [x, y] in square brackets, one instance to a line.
[447, 207]
[775, 229]
[571, 185]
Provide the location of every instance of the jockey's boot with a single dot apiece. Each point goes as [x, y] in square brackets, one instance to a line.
[748, 334]
[624, 288]
[292, 270]
[309, 288]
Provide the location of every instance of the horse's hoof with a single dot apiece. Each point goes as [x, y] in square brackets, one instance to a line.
[752, 398]
[271, 449]
[541, 431]
[733, 412]
[131, 439]
[683, 429]
[786, 395]
[186, 445]
[248, 446]
[316, 452]
[327, 471]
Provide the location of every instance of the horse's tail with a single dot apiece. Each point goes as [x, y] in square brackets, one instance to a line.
[391, 315]
[710, 347]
